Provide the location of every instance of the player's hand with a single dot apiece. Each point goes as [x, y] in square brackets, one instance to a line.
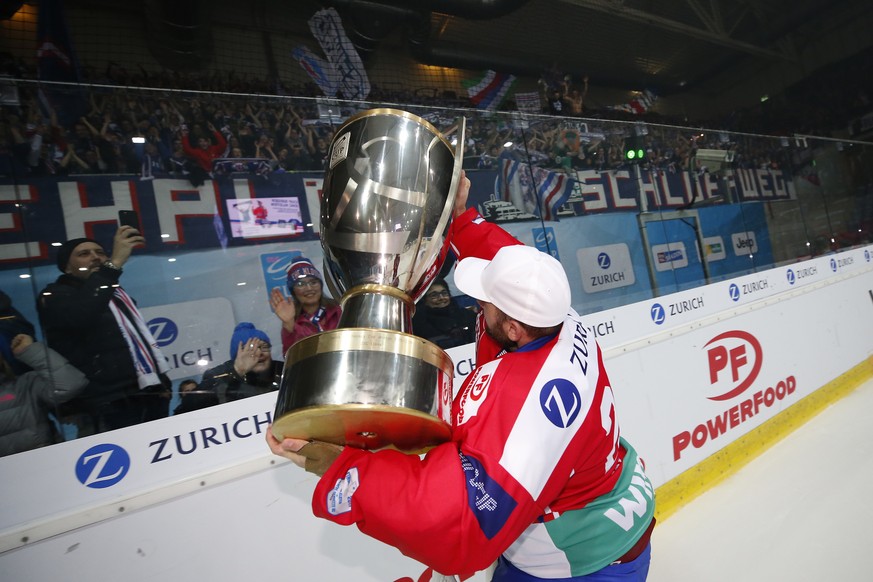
[461, 195]
[313, 456]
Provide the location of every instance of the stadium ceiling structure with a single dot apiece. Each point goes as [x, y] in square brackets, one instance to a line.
[669, 46]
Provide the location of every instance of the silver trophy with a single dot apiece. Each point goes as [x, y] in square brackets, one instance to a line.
[386, 206]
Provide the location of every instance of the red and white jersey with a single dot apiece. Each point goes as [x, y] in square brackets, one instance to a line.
[534, 438]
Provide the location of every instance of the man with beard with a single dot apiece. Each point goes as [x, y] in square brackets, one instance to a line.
[536, 475]
[90, 319]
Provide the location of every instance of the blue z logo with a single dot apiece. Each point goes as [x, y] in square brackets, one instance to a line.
[734, 292]
[102, 466]
[560, 402]
[165, 331]
[658, 314]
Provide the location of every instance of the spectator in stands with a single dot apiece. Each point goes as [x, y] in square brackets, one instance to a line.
[179, 164]
[13, 149]
[27, 398]
[307, 311]
[12, 323]
[194, 398]
[91, 320]
[249, 371]
[575, 99]
[440, 319]
[206, 150]
[298, 159]
[555, 101]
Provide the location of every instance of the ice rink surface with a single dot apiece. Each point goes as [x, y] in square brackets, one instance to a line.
[800, 512]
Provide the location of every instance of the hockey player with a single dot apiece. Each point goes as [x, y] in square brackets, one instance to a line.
[536, 475]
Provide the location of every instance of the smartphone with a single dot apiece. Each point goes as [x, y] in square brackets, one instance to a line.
[128, 218]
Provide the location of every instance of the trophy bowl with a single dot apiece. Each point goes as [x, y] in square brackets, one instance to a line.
[386, 206]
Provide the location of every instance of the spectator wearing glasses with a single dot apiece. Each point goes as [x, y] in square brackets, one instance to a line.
[440, 319]
[249, 371]
[307, 311]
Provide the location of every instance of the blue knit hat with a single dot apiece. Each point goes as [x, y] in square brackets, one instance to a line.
[243, 332]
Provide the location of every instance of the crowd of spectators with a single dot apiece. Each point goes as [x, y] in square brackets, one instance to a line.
[256, 126]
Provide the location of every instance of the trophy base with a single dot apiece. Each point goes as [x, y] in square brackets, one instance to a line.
[367, 388]
[365, 427]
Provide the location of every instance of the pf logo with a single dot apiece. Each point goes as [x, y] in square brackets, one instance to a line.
[603, 260]
[658, 314]
[734, 359]
[734, 292]
[165, 331]
[102, 466]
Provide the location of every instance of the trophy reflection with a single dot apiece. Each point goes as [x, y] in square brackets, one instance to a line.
[385, 211]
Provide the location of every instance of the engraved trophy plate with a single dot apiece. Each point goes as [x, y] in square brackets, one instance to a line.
[387, 203]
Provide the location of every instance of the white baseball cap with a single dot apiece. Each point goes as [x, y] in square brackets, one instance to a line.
[526, 284]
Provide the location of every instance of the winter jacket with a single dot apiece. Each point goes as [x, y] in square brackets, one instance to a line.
[26, 400]
[305, 328]
[227, 385]
[78, 324]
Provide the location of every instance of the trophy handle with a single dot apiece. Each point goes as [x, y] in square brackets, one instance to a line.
[435, 245]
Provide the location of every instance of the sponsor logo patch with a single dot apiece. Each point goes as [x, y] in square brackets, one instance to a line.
[475, 392]
[339, 499]
[491, 505]
[560, 402]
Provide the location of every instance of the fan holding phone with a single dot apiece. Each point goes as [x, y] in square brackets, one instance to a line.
[91, 320]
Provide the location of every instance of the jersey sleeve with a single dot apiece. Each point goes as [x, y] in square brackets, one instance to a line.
[451, 510]
[473, 236]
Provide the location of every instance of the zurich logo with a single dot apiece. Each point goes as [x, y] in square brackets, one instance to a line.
[834, 265]
[560, 402]
[102, 466]
[603, 260]
[790, 276]
[734, 292]
[165, 331]
[658, 314]
[867, 255]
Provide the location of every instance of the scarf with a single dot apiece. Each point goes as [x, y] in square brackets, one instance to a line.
[147, 358]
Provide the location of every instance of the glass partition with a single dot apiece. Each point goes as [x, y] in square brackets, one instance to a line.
[226, 191]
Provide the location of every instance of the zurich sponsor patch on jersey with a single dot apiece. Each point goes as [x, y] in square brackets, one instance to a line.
[339, 499]
[491, 505]
[560, 401]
